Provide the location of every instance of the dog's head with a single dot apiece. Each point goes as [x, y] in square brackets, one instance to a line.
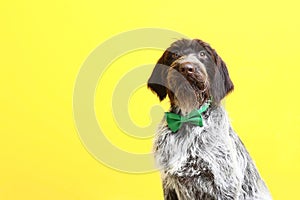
[190, 72]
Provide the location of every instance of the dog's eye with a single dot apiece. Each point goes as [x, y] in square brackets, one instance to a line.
[202, 54]
[175, 55]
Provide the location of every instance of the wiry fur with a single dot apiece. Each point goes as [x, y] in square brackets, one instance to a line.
[208, 162]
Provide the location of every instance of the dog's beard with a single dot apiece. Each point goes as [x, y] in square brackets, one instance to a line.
[187, 94]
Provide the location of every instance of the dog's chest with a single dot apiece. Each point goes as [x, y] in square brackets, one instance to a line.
[193, 149]
[176, 151]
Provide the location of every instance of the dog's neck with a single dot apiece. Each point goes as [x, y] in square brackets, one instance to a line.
[184, 108]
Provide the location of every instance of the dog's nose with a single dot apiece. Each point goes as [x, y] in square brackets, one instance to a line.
[186, 68]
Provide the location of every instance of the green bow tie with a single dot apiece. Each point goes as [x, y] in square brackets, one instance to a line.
[175, 121]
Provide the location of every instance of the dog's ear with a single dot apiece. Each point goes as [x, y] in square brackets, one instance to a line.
[221, 83]
[158, 79]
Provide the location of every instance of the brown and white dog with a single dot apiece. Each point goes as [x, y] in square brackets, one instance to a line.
[208, 160]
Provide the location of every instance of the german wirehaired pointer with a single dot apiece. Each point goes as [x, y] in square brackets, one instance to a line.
[199, 154]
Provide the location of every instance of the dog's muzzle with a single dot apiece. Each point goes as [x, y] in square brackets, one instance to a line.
[189, 66]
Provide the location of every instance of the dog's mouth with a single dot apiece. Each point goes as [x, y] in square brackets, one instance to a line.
[189, 89]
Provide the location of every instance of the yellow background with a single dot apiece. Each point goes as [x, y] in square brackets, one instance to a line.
[44, 43]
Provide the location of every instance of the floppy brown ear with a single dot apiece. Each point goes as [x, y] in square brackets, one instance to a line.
[221, 83]
[157, 81]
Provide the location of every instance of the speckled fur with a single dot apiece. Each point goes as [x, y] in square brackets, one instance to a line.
[209, 162]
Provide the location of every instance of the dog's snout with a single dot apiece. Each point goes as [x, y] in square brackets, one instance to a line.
[186, 68]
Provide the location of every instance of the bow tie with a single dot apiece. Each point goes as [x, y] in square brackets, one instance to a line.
[175, 121]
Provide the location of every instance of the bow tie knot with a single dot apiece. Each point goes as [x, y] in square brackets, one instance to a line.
[175, 121]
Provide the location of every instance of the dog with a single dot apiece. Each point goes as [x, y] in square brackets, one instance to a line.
[198, 153]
